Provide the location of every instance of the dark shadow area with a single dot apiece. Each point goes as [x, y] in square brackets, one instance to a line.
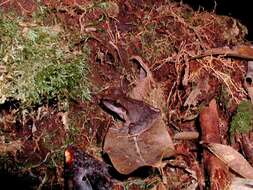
[142, 172]
[241, 10]
[12, 181]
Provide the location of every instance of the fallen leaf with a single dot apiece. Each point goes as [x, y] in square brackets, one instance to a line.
[241, 184]
[201, 87]
[143, 85]
[146, 89]
[129, 153]
[232, 158]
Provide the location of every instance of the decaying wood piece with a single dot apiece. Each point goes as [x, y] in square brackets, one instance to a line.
[243, 52]
[219, 174]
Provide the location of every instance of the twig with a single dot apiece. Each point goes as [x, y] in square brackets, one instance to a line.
[7, 1]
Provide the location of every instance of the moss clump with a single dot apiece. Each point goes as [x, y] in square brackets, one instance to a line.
[242, 122]
[39, 64]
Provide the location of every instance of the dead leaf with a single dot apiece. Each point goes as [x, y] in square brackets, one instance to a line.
[143, 85]
[241, 184]
[201, 87]
[128, 153]
[232, 158]
[146, 89]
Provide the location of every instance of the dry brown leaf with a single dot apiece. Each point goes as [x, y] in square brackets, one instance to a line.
[128, 153]
[146, 89]
[241, 184]
[201, 87]
[143, 85]
[232, 158]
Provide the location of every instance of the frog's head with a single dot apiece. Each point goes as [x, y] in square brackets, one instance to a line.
[115, 106]
[131, 111]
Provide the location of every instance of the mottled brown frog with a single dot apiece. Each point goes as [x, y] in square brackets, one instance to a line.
[137, 115]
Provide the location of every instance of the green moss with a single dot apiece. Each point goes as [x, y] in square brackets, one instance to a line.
[242, 122]
[39, 64]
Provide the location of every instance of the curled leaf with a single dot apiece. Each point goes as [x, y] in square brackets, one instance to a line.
[143, 85]
[232, 158]
[128, 153]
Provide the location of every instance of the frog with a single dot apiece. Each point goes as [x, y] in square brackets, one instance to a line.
[137, 116]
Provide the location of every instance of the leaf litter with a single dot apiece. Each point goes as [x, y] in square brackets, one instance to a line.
[169, 61]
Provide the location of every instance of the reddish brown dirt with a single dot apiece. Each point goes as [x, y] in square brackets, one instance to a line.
[164, 38]
[23, 7]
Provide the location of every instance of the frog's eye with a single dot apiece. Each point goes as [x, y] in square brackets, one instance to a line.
[116, 108]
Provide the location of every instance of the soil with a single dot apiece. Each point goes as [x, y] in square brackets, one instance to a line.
[165, 34]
